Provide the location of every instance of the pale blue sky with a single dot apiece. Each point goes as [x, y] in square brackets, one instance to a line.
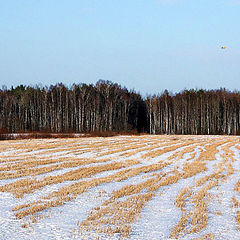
[148, 45]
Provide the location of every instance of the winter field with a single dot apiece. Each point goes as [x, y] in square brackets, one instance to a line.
[125, 187]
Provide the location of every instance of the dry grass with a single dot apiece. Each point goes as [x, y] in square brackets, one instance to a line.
[159, 152]
[23, 186]
[237, 187]
[35, 162]
[236, 205]
[29, 168]
[183, 195]
[195, 218]
[153, 145]
[238, 220]
[116, 216]
[235, 202]
[208, 236]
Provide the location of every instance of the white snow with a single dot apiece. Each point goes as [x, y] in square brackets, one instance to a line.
[158, 217]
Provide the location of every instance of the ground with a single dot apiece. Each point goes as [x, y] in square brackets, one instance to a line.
[123, 187]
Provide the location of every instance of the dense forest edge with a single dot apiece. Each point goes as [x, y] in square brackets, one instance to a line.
[106, 107]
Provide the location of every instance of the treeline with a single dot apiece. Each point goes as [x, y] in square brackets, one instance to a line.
[195, 112]
[108, 107]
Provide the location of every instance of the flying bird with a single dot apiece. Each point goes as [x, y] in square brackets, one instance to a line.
[223, 47]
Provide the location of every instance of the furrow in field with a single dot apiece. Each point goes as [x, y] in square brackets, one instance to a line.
[128, 174]
[21, 187]
[197, 177]
[136, 146]
[54, 166]
[108, 219]
[195, 219]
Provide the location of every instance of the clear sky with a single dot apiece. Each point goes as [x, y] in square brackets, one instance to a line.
[148, 45]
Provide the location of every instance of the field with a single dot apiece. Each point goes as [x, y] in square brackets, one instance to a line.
[123, 187]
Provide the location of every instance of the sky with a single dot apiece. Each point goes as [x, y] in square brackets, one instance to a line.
[146, 45]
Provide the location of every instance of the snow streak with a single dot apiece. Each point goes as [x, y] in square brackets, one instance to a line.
[136, 187]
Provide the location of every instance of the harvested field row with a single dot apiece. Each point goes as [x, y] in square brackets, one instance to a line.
[125, 176]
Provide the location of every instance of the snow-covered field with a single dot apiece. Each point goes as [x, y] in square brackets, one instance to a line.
[125, 187]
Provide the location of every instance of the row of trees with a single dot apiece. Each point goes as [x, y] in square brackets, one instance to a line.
[106, 106]
[82, 108]
[195, 112]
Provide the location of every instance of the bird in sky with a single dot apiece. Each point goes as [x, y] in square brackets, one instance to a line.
[223, 47]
